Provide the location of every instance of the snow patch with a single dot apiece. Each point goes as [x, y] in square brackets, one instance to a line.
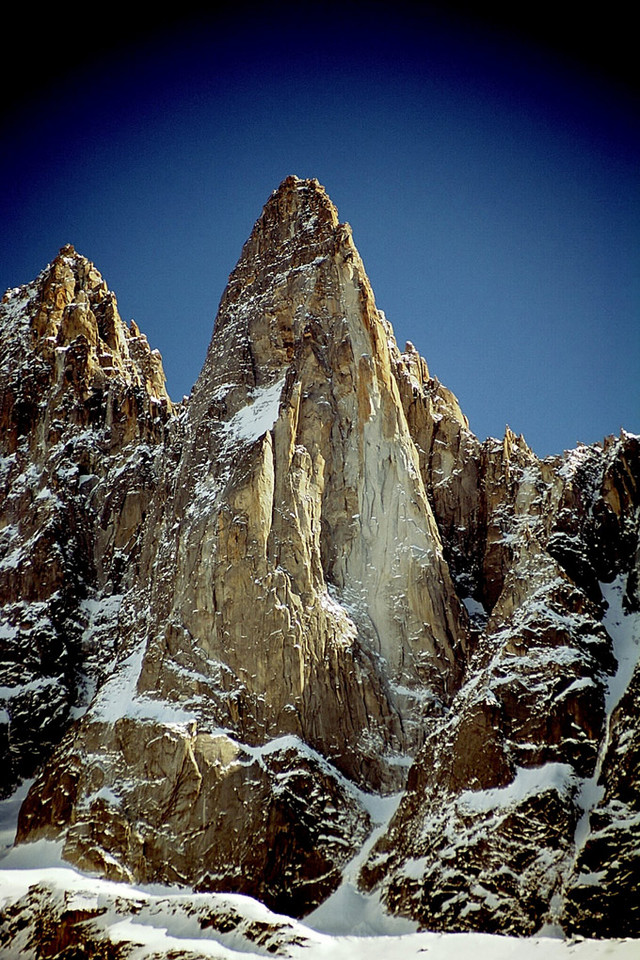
[528, 782]
[9, 810]
[118, 697]
[624, 630]
[259, 416]
[348, 910]
[474, 608]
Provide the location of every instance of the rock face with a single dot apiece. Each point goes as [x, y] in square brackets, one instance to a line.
[308, 585]
[490, 834]
[83, 411]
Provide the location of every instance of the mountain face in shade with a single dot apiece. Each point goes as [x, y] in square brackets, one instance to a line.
[236, 629]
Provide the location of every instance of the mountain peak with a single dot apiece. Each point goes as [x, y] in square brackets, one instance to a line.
[297, 211]
[298, 268]
[311, 586]
[62, 338]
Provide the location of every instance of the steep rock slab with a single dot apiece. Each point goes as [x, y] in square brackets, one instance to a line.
[82, 411]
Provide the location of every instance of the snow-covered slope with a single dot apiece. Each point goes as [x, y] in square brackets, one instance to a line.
[120, 921]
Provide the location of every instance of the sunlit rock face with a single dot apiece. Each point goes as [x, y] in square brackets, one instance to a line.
[300, 509]
[308, 585]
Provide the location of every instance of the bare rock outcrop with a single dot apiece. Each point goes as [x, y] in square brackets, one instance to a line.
[91, 918]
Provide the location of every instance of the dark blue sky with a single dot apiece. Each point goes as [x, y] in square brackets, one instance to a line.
[489, 170]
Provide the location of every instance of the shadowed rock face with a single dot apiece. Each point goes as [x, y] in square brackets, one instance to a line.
[303, 582]
[83, 411]
[502, 814]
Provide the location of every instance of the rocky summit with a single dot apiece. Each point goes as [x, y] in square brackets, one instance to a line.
[236, 629]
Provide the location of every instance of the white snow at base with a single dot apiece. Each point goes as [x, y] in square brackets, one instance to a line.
[158, 924]
[348, 910]
[257, 417]
[348, 926]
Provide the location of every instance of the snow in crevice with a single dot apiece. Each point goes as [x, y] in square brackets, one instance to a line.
[100, 615]
[624, 630]
[477, 612]
[350, 911]
[9, 810]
